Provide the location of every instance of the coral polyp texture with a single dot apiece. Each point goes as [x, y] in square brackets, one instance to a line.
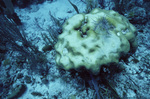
[91, 40]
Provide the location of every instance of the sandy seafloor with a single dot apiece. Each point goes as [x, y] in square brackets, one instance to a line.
[134, 81]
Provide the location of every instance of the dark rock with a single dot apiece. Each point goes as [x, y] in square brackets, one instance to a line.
[20, 75]
[47, 48]
[2, 48]
[18, 92]
[36, 94]
[21, 3]
[28, 79]
[26, 3]
[45, 81]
